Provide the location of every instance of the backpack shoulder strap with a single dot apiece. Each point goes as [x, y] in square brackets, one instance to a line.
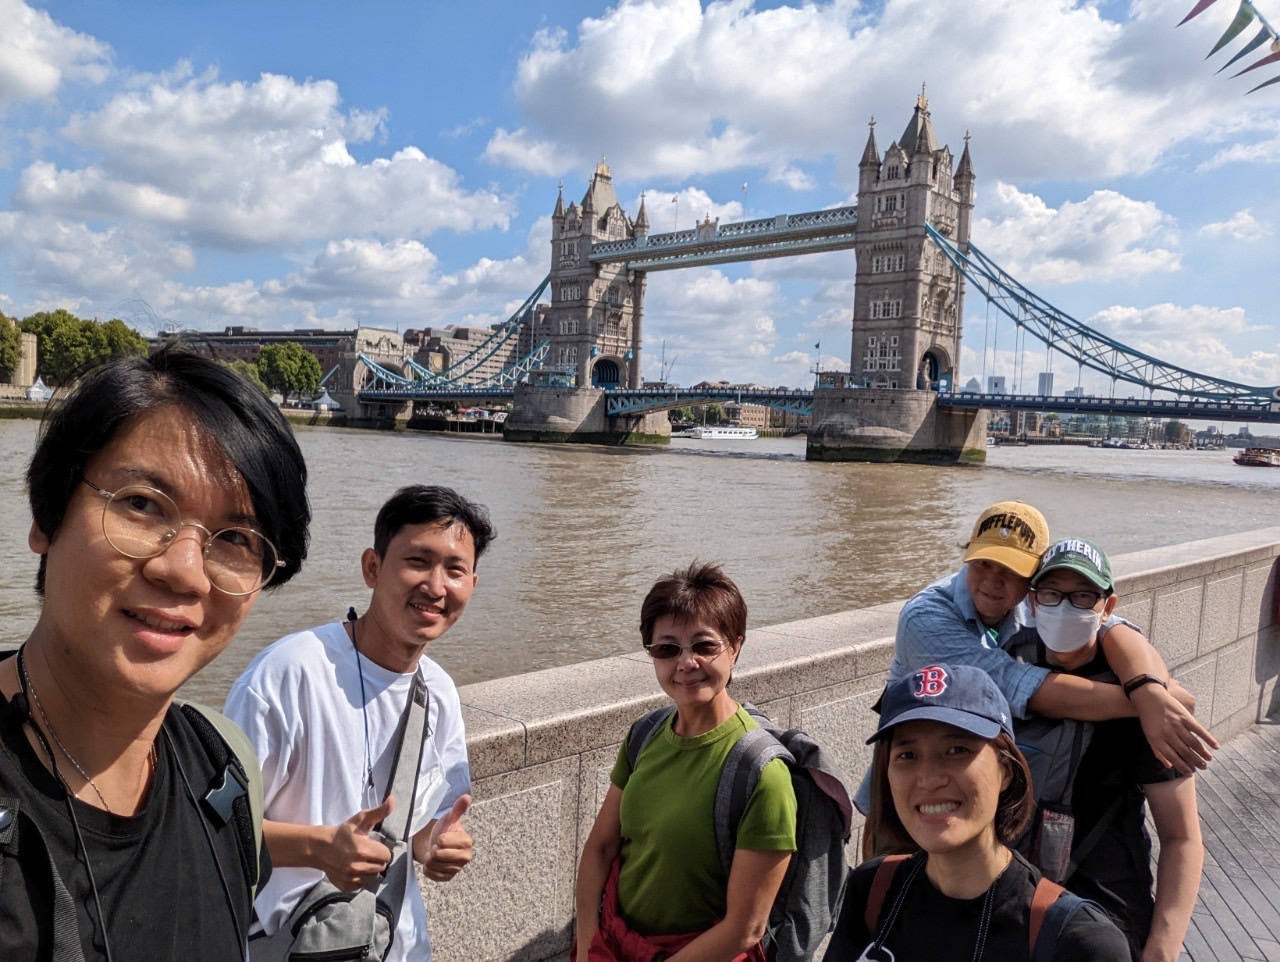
[66, 931]
[1044, 909]
[246, 764]
[880, 882]
[643, 730]
[738, 779]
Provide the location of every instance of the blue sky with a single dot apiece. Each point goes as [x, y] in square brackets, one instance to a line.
[395, 164]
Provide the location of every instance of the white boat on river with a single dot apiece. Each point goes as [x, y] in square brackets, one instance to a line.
[721, 432]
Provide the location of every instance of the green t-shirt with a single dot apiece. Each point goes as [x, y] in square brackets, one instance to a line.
[671, 880]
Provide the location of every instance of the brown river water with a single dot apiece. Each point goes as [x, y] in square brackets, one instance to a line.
[584, 531]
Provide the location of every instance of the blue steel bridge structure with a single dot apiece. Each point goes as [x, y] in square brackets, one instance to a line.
[1184, 394]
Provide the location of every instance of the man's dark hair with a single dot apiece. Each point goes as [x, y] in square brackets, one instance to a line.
[235, 415]
[431, 504]
[700, 592]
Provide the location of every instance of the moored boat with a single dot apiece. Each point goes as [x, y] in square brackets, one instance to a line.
[723, 432]
[1258, 458]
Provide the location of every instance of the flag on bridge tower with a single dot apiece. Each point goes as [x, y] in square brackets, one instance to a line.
[818, 346]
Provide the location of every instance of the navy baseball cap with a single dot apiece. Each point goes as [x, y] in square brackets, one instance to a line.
[961, 696]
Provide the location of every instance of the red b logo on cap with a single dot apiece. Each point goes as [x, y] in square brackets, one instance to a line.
[932, 681]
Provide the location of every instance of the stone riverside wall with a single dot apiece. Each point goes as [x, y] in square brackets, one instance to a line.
[542, 744]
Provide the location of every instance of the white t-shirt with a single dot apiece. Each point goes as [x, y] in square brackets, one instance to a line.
[300, 703]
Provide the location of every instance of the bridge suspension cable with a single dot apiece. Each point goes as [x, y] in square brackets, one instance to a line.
[1085, 346]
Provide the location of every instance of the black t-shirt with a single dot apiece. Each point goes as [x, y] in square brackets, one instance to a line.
[930, 927]
[159, 879]
[1116, 870]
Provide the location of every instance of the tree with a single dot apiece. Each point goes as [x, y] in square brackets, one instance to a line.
[249, 372]
[1175, 432]
[290, 369]
[68, 345]
[10, 348]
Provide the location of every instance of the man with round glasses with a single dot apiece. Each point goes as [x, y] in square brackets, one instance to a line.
[1093, 778]
[165, 492]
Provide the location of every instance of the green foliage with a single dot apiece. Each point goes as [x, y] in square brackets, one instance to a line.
[1175, 432]
[249, 372]
[10, 348]
[290, 369]
[69, 345]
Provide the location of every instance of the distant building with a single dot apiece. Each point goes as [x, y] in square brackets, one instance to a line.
[971, 386]
[239, 343]
[996, 384]
[1074, 392]
[1044, 384]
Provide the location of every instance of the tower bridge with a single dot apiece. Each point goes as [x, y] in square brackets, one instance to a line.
[571, 365]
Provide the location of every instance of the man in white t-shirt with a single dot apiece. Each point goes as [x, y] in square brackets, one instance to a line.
[322, 707]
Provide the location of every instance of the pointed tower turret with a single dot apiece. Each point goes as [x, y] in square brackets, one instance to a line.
[642, 220]
[559, 211]
[918, 138]
[869, 166]
[964, 179]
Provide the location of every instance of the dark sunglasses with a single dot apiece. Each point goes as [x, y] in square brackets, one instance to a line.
[700, 649]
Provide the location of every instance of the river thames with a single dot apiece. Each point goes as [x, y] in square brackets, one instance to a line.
[584, 531]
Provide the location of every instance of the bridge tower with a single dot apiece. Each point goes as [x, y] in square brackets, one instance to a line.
[594, 326]
[907, 313]
[594, 319]
[908, 301]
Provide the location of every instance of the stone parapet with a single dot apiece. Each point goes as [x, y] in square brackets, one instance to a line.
[542, 744]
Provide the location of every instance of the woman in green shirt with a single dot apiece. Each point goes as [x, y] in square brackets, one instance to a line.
[651, 879]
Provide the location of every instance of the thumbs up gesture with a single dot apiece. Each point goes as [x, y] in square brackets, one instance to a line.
[444, 846]
[353, 858]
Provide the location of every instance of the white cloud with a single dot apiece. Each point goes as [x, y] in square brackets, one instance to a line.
[675, 89]
[37, 55]
[251, 166]
[1241, 226]
[1106, 236]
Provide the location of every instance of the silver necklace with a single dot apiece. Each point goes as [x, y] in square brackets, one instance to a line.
[27, 686]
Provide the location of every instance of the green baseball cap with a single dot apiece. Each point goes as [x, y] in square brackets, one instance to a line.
[1073, 554]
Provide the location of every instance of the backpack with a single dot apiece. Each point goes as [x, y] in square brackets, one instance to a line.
[808, 902]
[235, 798]
[1051, 908]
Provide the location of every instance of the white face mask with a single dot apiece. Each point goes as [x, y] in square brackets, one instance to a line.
[1066, 628]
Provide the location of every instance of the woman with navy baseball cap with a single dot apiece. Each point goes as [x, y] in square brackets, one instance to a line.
[951, 792]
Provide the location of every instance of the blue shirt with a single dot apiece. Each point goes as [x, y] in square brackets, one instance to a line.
[940, 625]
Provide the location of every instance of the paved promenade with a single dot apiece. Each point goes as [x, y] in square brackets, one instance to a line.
[1238, 913]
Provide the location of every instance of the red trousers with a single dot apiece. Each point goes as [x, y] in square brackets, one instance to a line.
[615, 941]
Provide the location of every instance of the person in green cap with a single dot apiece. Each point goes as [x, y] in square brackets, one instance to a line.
[1091, 780]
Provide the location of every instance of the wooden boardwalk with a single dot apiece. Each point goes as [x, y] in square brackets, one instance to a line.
[1237, 916]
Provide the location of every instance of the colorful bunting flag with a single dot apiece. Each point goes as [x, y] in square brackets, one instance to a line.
[1244, 17]
[1262, 37]
[1201, 7]
[1246, 13]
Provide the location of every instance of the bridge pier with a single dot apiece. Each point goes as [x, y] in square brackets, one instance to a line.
[567, 415]
[884, 424]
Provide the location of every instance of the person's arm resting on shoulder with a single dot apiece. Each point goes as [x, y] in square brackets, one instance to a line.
[1176, 737]
[1173, 810]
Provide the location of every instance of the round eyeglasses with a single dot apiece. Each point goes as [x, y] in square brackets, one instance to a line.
[1052, 597]
[141, 522]
[700, 649]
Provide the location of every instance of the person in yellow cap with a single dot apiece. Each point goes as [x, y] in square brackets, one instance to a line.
[967, 618]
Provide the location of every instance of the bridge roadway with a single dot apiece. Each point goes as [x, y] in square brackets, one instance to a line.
[623, 402]
[1237, 914]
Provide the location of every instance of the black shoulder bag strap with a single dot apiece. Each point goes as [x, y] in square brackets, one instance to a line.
[66, 931]
[397, 830]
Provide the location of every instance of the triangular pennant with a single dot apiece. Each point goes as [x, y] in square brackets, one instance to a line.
[1244, 17]
[1270, 58]
[1263, 36]
[1273, 80]
[1201, 7]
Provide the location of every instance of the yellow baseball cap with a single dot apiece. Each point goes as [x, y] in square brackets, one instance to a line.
[1010, 533]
